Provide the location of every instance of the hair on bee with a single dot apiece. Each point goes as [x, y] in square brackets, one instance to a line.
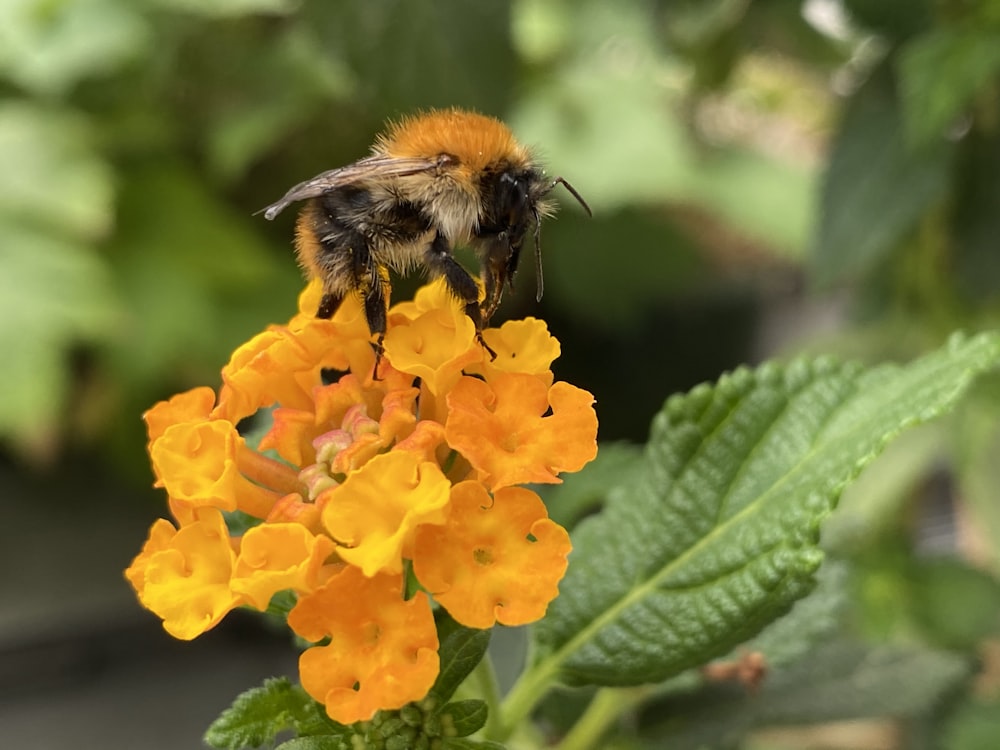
[433, 182]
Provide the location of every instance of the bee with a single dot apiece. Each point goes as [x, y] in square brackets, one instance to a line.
[433, 182]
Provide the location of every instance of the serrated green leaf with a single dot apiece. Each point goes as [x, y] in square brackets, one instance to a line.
[871, 505]
[465, 717]
[259, 714]
[717, 534]
[461, 650]
[811, 619]
[875, 188]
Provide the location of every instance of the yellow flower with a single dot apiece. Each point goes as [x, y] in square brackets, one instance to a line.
[278, 556]
[495, 560]
[191, 406]
[284, 364]
[197, 463]
[182, 575]
[358, 477]
[382, 652]
[524, 346]
[375, 512]
[516, 430]
[435, 344]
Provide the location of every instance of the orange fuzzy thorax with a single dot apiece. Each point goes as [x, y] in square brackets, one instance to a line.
[476, 140]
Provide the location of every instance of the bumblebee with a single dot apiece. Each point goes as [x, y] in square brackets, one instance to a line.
[433, 182]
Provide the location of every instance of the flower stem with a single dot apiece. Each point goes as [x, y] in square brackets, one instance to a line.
[267, 472]
[605, 708]
[530, 687]
[484, 680]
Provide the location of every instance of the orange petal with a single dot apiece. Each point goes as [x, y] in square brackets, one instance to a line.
[374, 512]
[291, 435]
[495, 560]
[502, 428]
[382, 652]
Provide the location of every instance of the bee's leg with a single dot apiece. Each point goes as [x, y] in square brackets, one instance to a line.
[441, 262]
[376, 300]
[494, 273]
[328, 305]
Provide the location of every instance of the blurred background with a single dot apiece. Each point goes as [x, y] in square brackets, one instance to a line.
[767, 178]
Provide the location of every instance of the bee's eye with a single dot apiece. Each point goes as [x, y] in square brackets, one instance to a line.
[512, 199]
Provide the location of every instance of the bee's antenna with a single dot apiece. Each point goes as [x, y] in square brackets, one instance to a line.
[572, 191]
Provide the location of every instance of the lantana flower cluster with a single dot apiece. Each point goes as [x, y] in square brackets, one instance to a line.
[373, 497]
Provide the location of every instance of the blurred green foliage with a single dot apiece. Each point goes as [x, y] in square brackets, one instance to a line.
[748, 164]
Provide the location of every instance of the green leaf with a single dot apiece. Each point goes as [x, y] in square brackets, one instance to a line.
[811, 620]
[228, 8]
[893, 19]
[578, 112]
[875, 188]
[199, 279]
[871, 506]
[958, 605]
[259, 714]
[975, 726]
[837, 681]
[412, 55]
[461, 650]
[48, 152]
[46, 47]
[941, 72]
[977, 446]
[54, 294]
[974, 220]
[844, 680]
[716, 534]
[464, 717]
[327, 742]
[458, 743]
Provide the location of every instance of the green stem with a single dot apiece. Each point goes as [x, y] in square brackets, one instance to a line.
[530, 687]
[483, 681]
[605, 708]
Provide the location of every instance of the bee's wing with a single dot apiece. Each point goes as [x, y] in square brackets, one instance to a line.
[372, 167]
